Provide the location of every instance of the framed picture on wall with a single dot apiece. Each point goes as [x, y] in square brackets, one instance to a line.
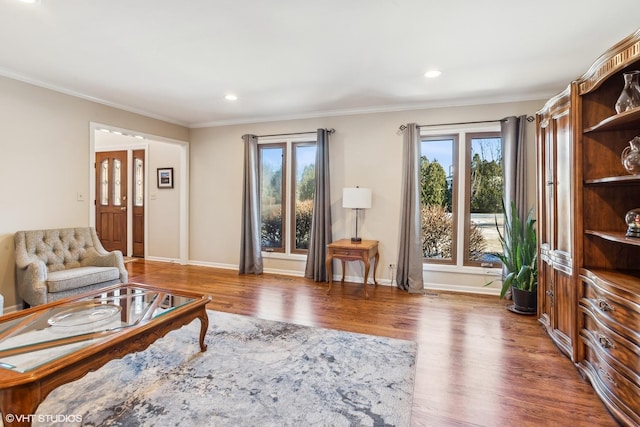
[165, 177]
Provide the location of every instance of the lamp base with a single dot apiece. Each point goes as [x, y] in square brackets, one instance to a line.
[356, 240]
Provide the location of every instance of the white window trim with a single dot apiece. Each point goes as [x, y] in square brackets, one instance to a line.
[461, 131]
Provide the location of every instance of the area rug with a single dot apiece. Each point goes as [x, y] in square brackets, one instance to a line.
[254, 373]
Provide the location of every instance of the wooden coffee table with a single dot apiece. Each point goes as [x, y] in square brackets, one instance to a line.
[52, 344]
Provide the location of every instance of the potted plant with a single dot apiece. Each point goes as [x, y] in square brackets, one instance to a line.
[520, 260]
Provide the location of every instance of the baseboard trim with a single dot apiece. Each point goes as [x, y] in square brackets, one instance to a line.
[355, 279]
[12, 308]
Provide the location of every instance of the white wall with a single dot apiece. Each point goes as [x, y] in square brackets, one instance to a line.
[164, 204]
[44, 162]
[366, 150]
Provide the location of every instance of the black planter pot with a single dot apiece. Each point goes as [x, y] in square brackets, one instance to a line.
[524, 302]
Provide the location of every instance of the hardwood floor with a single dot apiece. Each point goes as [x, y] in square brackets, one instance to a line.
[477, 365]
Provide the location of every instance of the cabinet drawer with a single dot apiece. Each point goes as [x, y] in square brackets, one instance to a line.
[612, 310]
[615, 386]
[615, 349]
[347, 253]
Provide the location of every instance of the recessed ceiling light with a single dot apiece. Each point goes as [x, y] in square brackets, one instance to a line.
[432, 73]
[231, 97]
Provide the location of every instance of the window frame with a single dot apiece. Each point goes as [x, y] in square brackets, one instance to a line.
[294, 164]
[283, 202]
[469, 137]
[454, 196]
[459, 196]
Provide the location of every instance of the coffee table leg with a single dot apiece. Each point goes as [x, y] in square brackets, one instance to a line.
[204, 325]
[18, 405]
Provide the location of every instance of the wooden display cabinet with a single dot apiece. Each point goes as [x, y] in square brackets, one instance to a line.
[605, 275]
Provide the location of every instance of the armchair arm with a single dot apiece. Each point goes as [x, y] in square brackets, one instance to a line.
[111, 259]
[102, 258]
[32, 279]
[24, 259]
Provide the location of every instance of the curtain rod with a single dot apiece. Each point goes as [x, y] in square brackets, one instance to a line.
[403, 127]
[295, 133]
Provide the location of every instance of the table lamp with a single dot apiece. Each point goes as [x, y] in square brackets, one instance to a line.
[356, 198]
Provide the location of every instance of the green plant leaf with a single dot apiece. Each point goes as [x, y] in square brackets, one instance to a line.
[519, 251]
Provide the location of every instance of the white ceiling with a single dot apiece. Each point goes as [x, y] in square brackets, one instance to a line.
[177, 59]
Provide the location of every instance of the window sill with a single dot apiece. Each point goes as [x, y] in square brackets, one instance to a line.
[493, 271]
[281, 255]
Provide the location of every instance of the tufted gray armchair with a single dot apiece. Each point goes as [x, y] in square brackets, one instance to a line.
[57, 263]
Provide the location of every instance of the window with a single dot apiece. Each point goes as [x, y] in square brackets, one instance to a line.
[287, 187]
[458, 222]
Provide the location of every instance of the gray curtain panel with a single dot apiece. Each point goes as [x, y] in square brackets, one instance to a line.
[514, 165]
[409, 274]
[250, 246]
[321, 221]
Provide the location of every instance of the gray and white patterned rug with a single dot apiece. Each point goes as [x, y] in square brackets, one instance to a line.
[254, 373]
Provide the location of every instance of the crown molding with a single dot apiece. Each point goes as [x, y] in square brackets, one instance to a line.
[45, 85]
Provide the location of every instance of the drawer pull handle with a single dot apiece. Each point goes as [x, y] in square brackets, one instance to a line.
[605, 342]
[605, 306]
[607, 376]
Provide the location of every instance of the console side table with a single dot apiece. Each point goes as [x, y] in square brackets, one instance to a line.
[345, 250]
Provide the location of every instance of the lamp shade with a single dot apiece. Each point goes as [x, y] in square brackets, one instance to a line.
[356, 198]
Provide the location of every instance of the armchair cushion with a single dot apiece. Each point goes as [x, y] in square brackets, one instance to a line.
[74, 278]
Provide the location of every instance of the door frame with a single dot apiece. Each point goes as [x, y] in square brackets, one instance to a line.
[182, 183]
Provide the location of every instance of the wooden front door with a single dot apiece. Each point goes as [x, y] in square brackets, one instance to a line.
[111, 200]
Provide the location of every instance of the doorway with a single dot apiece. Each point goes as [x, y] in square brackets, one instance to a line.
[157, 219]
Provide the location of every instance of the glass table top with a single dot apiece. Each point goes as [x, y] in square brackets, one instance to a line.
[34, 339]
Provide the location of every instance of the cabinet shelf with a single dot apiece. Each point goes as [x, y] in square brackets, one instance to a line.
[624, 179]
[615, 236]
[623, 121]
